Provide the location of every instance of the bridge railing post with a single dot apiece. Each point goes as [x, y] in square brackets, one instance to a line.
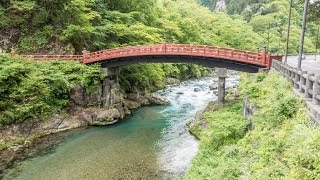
[269, 61]
[309, 85]
[164, 45]
[296, 79]
[302, 87]
[316, 90]
[13, 53]
[84, 56]
[264, 56]
[293, 73]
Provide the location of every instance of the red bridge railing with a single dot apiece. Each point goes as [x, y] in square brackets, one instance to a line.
[254, 58]
[54, 57]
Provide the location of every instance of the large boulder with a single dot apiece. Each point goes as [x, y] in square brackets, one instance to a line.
[131, 104]
[138, 98]
[120, 108]
[106, 117]
[156, 98]
[77, 96]
[172, 81]
[80, 97]
[116, 93]
[213, 87]
[196, 89]
[94, 98]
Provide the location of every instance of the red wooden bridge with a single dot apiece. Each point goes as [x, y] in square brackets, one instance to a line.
[173, 53]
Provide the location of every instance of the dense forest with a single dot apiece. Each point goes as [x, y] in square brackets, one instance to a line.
[284, 144]
[69, 26]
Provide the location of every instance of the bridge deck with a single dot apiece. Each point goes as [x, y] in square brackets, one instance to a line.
[238, 56]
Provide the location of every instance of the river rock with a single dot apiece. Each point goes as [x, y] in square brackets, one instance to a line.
[77, 96]
[156, 98]
[107, 117]
[94, 98]
[213, 87]
[172, 81]
[54, 123]
[179, 93]
[126, 110]
[131, 104]
[138, 98]
[120, 108]
[196, 89]
[87, 116]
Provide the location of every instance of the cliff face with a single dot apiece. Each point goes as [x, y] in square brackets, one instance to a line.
[221, 6]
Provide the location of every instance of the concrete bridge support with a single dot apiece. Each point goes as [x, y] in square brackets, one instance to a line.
[222, 74]
[111, 77]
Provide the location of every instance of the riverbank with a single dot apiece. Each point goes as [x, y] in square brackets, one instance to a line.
[279, 141]
[154, 139]
[19, 139]
[42, 98]
[58, 97]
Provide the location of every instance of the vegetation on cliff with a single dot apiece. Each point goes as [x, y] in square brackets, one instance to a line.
[284, 143]
[66, 26]
[35, 90]
[271, 17]
[69, 26]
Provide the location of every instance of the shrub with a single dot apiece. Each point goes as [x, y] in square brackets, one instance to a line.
[31, 90]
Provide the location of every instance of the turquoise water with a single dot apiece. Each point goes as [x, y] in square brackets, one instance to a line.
[153, 143]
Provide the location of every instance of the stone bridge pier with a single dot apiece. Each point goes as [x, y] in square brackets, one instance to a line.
[222, 74]
[110, 84]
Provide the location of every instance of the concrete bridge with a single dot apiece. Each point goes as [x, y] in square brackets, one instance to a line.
[209, 56]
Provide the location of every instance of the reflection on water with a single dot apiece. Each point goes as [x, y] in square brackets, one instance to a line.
[153, 143]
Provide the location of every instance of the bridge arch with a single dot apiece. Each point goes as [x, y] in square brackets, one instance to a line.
[210, 56]
[207, 62]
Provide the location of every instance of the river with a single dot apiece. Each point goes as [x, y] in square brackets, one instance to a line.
[153, 143]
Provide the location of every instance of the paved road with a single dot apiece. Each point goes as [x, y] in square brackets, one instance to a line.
[310, 64]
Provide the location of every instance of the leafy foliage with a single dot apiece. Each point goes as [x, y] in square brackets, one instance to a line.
[36, 90]
[271, 17]
[151, 77]
[283, 145]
